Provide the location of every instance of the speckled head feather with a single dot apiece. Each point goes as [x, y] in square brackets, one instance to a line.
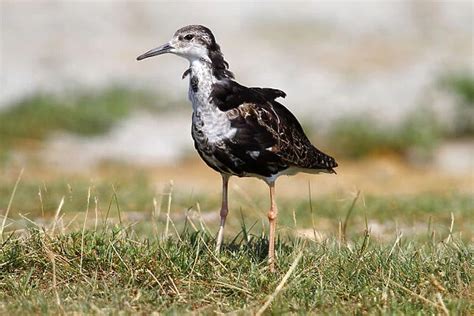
[200, 34]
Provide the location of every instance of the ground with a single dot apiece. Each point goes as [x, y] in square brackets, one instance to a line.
[391, 239]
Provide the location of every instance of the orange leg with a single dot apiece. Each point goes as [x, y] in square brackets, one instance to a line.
[223, 213]
[272, 216]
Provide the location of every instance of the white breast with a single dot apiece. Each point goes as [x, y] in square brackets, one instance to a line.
[212, 122]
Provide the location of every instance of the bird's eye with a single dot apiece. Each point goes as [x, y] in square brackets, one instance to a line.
[189, 37]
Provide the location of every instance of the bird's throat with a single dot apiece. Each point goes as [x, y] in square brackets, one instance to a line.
[201, 80]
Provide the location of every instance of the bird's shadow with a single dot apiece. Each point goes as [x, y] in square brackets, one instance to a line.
[253, 245]
[246, 242]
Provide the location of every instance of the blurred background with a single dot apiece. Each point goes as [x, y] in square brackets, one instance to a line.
[385, 87]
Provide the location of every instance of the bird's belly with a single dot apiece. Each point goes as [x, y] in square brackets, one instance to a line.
[209, 136]
[224, 157]
[210, 151]
[214, 139]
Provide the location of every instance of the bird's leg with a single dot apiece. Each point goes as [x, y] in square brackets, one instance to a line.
[223, 213]
[272, 216]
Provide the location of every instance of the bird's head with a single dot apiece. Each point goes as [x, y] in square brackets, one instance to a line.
[194, 42]
[191, 42]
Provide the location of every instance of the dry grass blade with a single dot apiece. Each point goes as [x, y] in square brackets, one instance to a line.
[280, 285]
[418, 296]
[310, 199]
[56, 216]
[40, 196]
[168, 210]
[84, 227]
[117, 204]
[234, 287]
[96, 213]
[348, 214]
[12, 196]
[175, 288]
[154, 217]
[397, 240]
[439, 298]
[52, 258]
[451, 227]
[156, 280]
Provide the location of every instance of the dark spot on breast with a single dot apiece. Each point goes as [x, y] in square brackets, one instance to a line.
[194, 83]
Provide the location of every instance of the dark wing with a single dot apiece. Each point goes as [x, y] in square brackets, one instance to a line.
[228, 94]
[268, 136]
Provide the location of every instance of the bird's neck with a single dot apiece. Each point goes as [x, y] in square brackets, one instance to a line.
[201, 79]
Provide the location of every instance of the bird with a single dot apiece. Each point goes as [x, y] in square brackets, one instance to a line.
[237, 130]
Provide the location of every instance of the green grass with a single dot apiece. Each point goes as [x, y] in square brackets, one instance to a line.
[56, 262]
[461, 85]
[357, 137]
[134, 192]
[86, 113]
[32, 119]
[420, 131]
[113, 269]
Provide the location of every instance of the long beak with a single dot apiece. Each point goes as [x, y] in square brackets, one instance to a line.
[163, 49]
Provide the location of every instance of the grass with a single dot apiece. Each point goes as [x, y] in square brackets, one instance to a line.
[113, 269]
[419, 132]
[461, 85]
[86, 113]
[88, 257]
[357, 137]
[133, 194]
[32, 119]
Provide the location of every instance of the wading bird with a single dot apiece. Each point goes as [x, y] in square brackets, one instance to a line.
[240, 130]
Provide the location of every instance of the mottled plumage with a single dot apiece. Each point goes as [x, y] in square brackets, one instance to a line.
[268, 138]
[239, 130]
